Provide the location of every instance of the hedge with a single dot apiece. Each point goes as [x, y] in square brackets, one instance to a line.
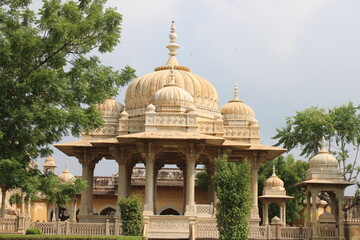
[67, 237]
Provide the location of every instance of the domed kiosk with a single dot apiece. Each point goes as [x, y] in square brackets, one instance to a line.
[170, 116]
[274, 192]
[324, 181]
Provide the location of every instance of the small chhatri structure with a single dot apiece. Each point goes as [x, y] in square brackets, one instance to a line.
[49, 165]
[324, 180]
[274, 192]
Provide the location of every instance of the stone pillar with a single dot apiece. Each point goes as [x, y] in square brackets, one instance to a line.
[156, 172]
[91, 188]
[122, 180]
[149, 186]
[184, 188]
[341, 214]
[283, 213]
[308, 209]
[86, 192]
[73, 210]
[190, 208]
[314, 225]
[88, 163]
[265, 220]
[254, 215]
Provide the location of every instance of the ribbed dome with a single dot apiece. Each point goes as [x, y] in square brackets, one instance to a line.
[66, 176]
[172, 95]
[273, 181]
[140, 91]
[110, 108]
[323, 160]
[237, 110]
[323, 166]
[49, 162]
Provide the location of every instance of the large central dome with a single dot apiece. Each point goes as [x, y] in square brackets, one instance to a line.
[140, 91]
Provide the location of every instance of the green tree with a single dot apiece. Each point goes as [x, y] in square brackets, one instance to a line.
[232, 185]
[60, 193]
[131, 215]
[291, 172]
[341, 128]
[49, 80]
[15, 175]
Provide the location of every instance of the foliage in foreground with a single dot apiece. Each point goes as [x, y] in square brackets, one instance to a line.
[67, 237]
[33, 231]
[232, 185]
[49, 82]
[131, 215]
[291, 172]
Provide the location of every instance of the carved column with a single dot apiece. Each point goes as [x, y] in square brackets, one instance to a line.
[254, 215]
[88, 161]
[308, 208]
[314, 224]
[340, 195]
[190, 208]
[119, 155]
[265, 220]
[149, 187]
[283, 213]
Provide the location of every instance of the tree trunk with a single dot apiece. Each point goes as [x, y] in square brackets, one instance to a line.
[3, 197]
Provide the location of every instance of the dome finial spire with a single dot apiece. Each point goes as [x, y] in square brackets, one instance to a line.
[274, 173]
[236, 92]
[323, 147]
[173, 46]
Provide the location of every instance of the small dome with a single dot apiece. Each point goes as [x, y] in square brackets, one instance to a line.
[110, 108]
[323, 160]
[150, 108]
[49, 162]
[273, 181]
[237, 110]
[172, 95]
[323, 166]
[66, 176]
[124, 114]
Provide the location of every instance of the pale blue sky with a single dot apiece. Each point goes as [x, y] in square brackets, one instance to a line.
[285, 55]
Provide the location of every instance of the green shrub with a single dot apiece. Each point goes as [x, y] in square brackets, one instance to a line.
[232, 184]
[35, 231]
[131, 215]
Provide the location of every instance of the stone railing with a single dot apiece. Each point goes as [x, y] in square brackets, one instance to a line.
[353, 215]
[206, 228]
[72, 228]
[170, 227]
[8, 225]
[328, 232]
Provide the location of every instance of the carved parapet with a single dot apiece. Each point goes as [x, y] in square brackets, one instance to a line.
[246, 134]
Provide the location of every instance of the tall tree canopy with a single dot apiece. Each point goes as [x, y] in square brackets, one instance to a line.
[232, 185]
[291, 172]
[341, 128]
[49, 82]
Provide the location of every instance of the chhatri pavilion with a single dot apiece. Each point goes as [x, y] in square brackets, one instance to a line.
[170, 116]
